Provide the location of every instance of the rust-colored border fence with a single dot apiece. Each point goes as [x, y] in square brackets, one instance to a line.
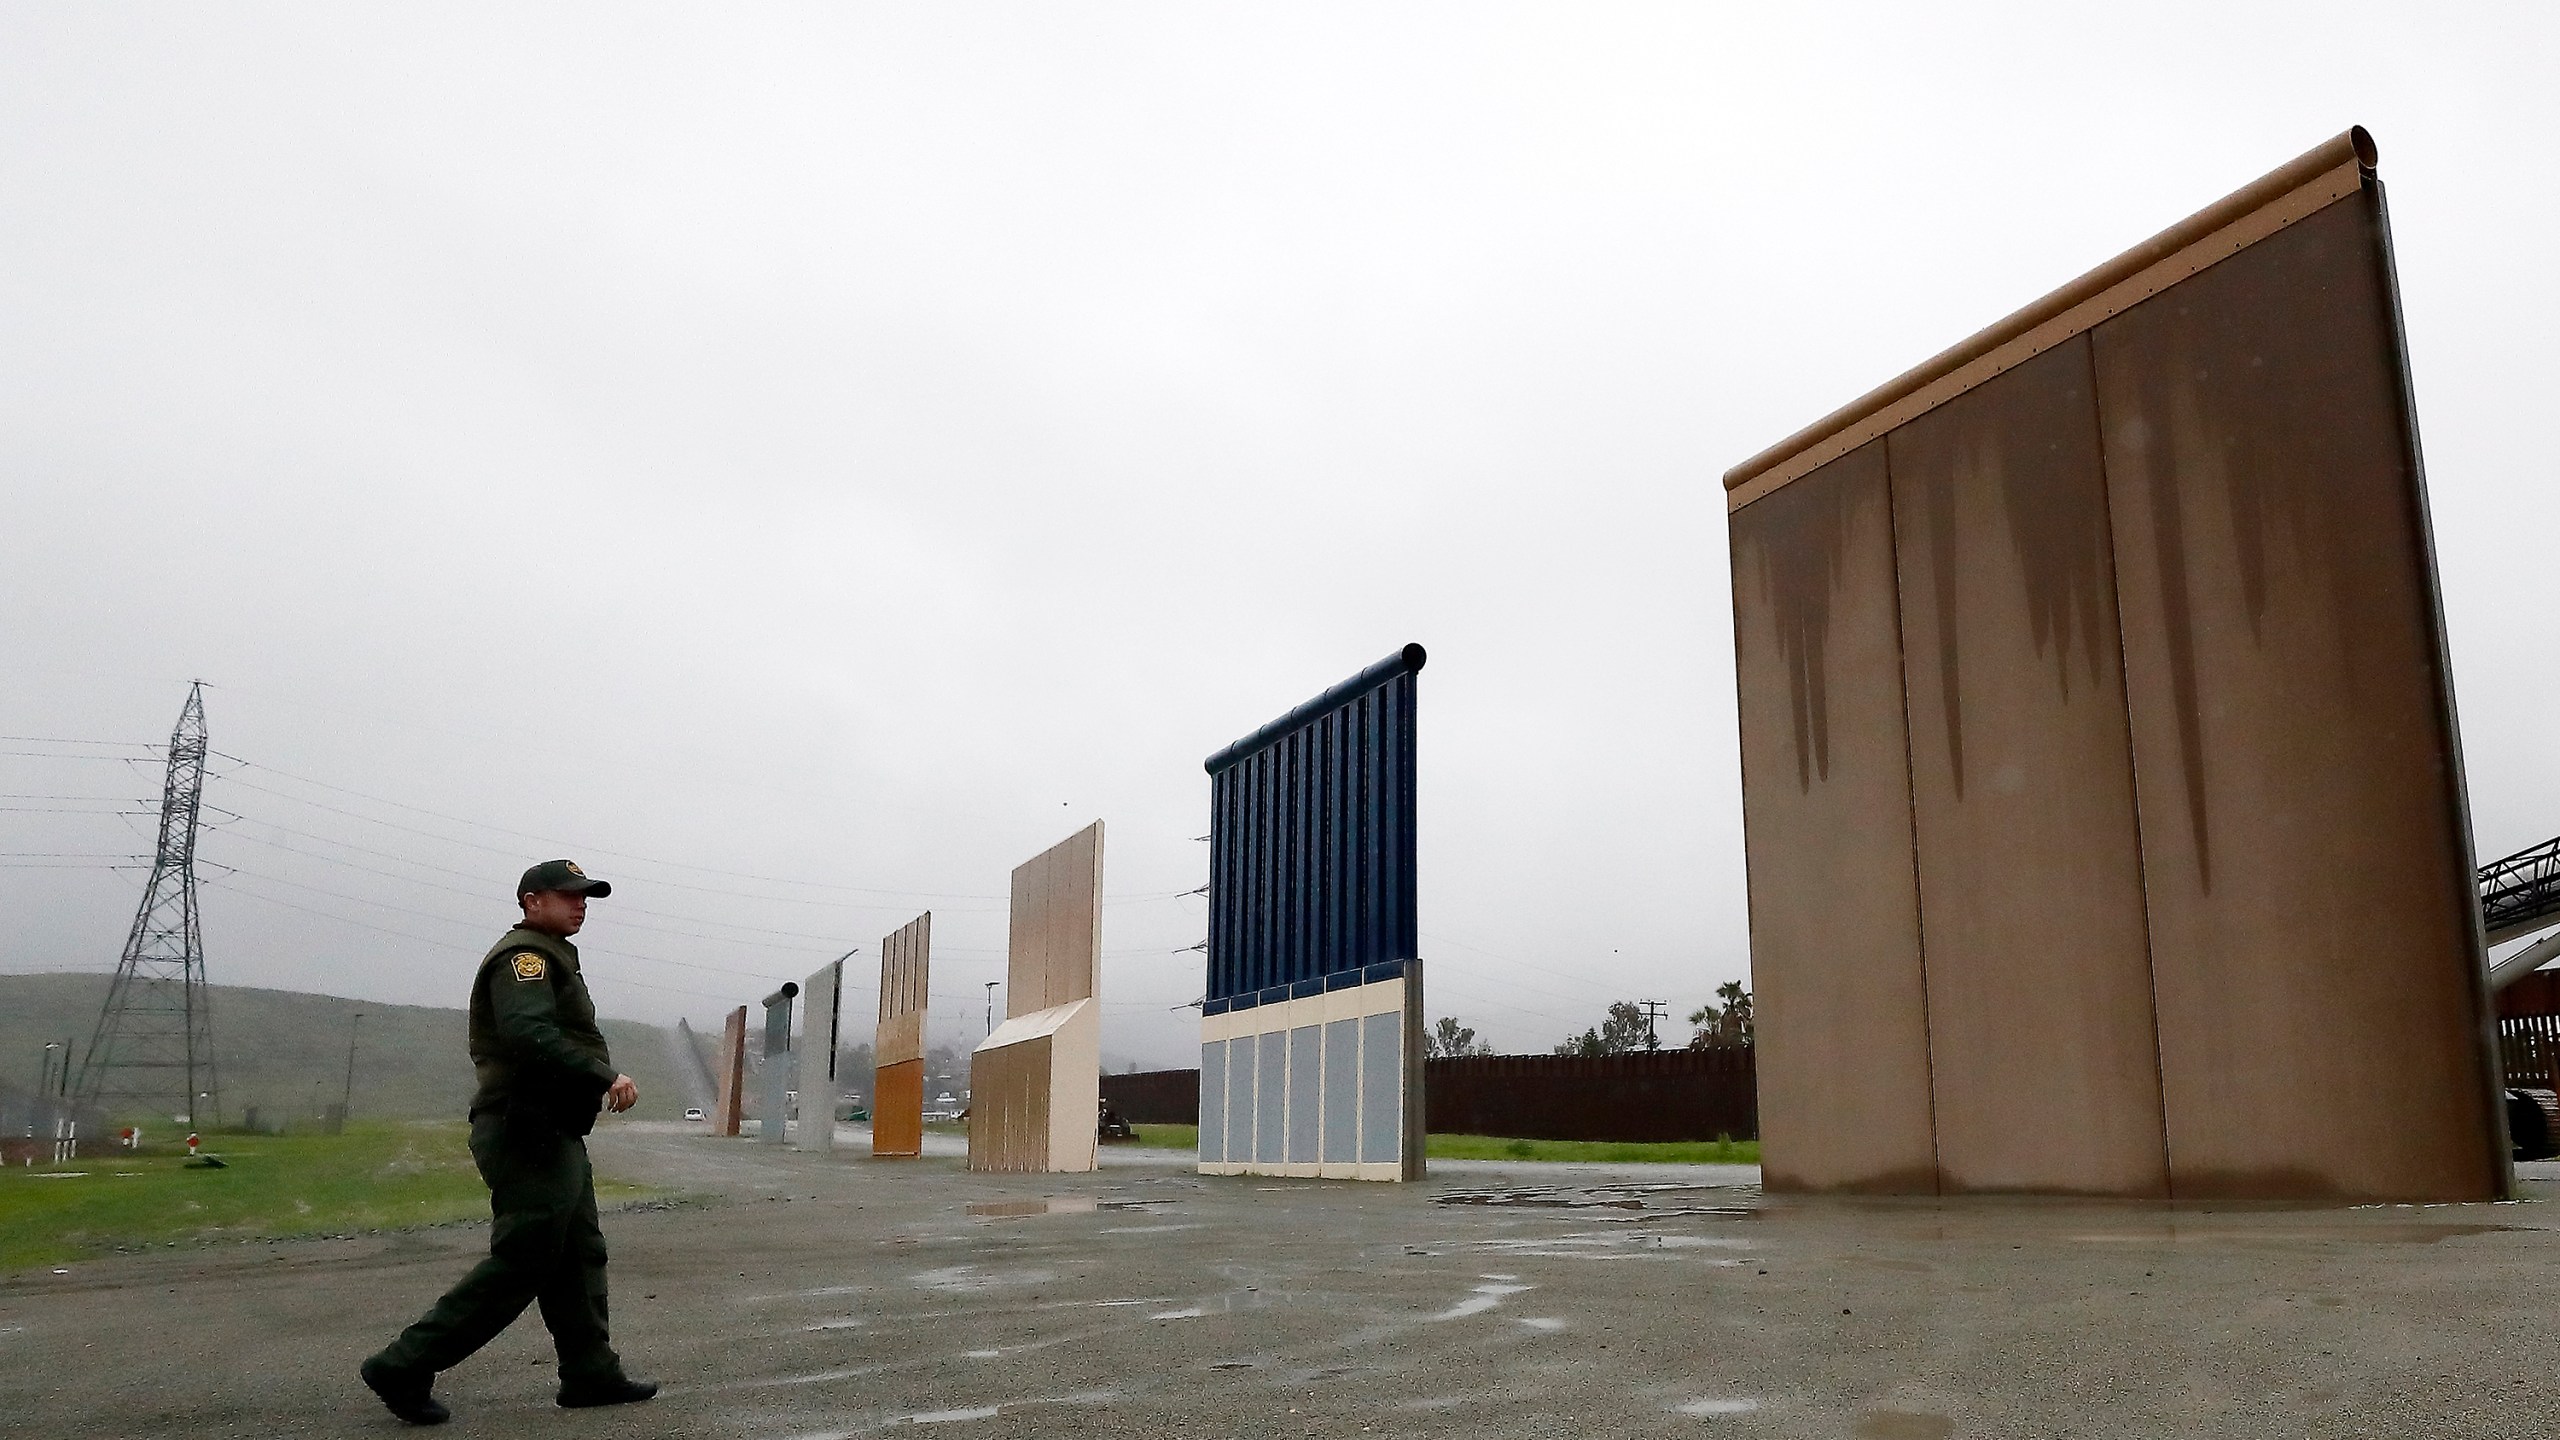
[1154, 1097]
[1667, 1095]
[2529, 1031]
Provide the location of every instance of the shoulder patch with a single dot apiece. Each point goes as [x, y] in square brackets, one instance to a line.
[529, 965]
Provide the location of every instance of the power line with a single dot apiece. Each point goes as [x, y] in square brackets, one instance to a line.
[407, 935]
[221, 820]
[620, 908]
[480, 926]
[1448, 939]
[131, 864]
[479, 894]
[573, 844]
[902, 895]
[131, 808]
[518, 852]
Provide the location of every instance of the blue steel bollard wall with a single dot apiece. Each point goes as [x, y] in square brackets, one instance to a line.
[1311, 1030]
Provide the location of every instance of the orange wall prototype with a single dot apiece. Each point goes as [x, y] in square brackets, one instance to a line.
[897, 1082]
[2104, 808]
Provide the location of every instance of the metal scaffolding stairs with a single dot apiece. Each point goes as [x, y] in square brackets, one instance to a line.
[2519, 895]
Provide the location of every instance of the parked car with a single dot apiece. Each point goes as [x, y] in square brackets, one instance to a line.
[693, 1112]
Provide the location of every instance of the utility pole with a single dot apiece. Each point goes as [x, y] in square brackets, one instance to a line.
[1653, 1011]
[346, 1105]
[991, 1007]
[154, 1041]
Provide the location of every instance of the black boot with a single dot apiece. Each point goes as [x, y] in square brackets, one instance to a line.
[611, 1390]
[404, 1392]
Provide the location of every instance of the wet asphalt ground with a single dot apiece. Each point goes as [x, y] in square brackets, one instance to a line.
[808, 1296]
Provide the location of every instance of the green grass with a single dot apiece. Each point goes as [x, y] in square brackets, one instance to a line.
[1165, 1137]
[1494, 1147]
[378, 1177]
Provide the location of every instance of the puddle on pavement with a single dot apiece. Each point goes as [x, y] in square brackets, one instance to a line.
[1329, 1372]
[2427, 1234]
[1223, 1304]
[1902, 1425]
[1666, 1199]
[813, 1293]
[1052, 1205]
[1061, 1205]
[964, 1279]
[989, 1412]
[1612, 1245]
[1485, 1297]
[2403, 1233]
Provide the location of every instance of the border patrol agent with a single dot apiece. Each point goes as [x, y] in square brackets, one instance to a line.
[544, 1076]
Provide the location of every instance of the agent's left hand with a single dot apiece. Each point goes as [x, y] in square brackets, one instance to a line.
[622, 1096]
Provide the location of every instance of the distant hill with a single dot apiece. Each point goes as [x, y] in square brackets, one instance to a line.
[285, 1052]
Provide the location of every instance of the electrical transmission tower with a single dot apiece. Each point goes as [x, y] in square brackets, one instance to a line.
[154, 1043]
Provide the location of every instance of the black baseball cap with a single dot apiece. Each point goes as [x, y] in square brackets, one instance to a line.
[562, 875]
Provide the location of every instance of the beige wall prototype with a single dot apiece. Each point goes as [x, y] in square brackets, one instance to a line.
[1035, 1085]
[2103, 805]
[897, 1086]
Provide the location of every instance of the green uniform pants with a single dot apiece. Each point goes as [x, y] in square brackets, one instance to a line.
[544, 1246]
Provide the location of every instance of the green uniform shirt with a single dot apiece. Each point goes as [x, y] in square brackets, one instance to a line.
[534, 1041]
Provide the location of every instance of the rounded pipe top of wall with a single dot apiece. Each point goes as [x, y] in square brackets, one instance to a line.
[1406, 661]
[789, 989]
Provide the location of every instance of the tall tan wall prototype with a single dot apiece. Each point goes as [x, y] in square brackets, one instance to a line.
[897, 1092]
[1055, 942]
[2104, 809]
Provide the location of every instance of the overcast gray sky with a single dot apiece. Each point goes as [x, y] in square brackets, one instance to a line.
[854, 447]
